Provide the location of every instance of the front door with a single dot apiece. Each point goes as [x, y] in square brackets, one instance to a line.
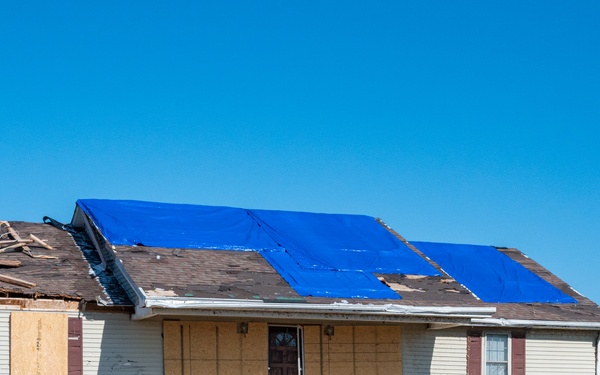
[285, 350]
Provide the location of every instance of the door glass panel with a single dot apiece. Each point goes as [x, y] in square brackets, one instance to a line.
[284, 351]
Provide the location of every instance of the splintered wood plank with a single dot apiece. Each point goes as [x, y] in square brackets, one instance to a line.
[16, 281]
[40, 242]
[15, 235]
[10, 263]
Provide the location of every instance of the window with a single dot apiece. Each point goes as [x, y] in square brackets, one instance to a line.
[497, 354]
[492, 353]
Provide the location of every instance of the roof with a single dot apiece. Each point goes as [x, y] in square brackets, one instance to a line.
[320, 264]
[65, 274]
[191, 279]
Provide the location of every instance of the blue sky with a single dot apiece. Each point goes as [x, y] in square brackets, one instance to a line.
[458, 122]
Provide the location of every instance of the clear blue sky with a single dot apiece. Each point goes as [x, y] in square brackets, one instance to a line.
[466, 122]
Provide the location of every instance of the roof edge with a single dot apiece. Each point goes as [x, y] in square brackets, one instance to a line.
[153, 306]
[522, 323]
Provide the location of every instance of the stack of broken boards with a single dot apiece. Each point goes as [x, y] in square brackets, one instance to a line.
[11, 241]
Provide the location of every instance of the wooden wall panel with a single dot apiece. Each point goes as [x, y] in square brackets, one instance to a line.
[216, 348]
[38, 343]
[353, 350]
[312, 350]
[207, 348]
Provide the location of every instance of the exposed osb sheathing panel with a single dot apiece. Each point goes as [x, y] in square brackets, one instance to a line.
[38, 343]
[360, 350]
[209, 348]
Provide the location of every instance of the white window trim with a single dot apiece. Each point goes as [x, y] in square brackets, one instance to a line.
[484, 350]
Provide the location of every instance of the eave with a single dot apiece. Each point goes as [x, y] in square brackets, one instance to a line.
[202, 307]
[547, 324]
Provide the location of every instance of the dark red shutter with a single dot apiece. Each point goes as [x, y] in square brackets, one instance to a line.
[75, 346]
[474, 353]
[518, 353]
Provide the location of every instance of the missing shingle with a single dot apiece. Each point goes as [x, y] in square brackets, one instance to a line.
[159, 292]
[397, 287]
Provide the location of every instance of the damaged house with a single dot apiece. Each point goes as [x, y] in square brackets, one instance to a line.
[132, 287]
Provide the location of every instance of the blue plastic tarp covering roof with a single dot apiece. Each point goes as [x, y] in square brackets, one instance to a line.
[137, 223]
[491, 275]
[341, 242]
[324, 283]
[331, 255]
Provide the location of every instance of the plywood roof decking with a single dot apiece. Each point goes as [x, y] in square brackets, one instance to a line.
[67, 277]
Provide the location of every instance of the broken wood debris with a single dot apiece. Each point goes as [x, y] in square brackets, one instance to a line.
[10, 263]
[16, 281]
[22, 244]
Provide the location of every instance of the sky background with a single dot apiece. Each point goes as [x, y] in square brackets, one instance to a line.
[464, 122]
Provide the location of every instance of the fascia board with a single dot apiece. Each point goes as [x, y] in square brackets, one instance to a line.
[521, 323]
[199, 307]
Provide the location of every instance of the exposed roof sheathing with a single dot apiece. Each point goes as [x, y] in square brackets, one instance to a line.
[67, 277]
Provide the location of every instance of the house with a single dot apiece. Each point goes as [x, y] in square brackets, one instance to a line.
[154, 288]
[61, 313]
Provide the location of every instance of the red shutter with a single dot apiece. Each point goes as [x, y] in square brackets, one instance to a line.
[518, 353]
[473, 353]
[75, 346]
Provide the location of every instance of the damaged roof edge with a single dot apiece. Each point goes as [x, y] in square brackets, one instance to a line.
[80, 220]
[554, 324]
[165, 305]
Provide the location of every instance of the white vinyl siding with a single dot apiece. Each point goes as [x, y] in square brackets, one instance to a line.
[431, 352]
[4, 341]
[114, 344]
[560, 352]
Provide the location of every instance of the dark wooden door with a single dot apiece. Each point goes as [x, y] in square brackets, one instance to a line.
[283, 350]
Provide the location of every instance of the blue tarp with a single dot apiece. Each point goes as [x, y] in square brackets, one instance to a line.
[491, 275]
[136, 223]
[341, 243]
[322, 283]
[317, 254]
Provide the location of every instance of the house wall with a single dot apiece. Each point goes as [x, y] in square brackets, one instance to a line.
[49, 319]
[4, 341]
[216, 348]
[560, 352]
[431, 352]
[112, 343]
[353, 350]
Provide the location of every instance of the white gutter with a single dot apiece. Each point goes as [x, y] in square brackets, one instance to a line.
[174, 306]
[555, 324]
[210, 303]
